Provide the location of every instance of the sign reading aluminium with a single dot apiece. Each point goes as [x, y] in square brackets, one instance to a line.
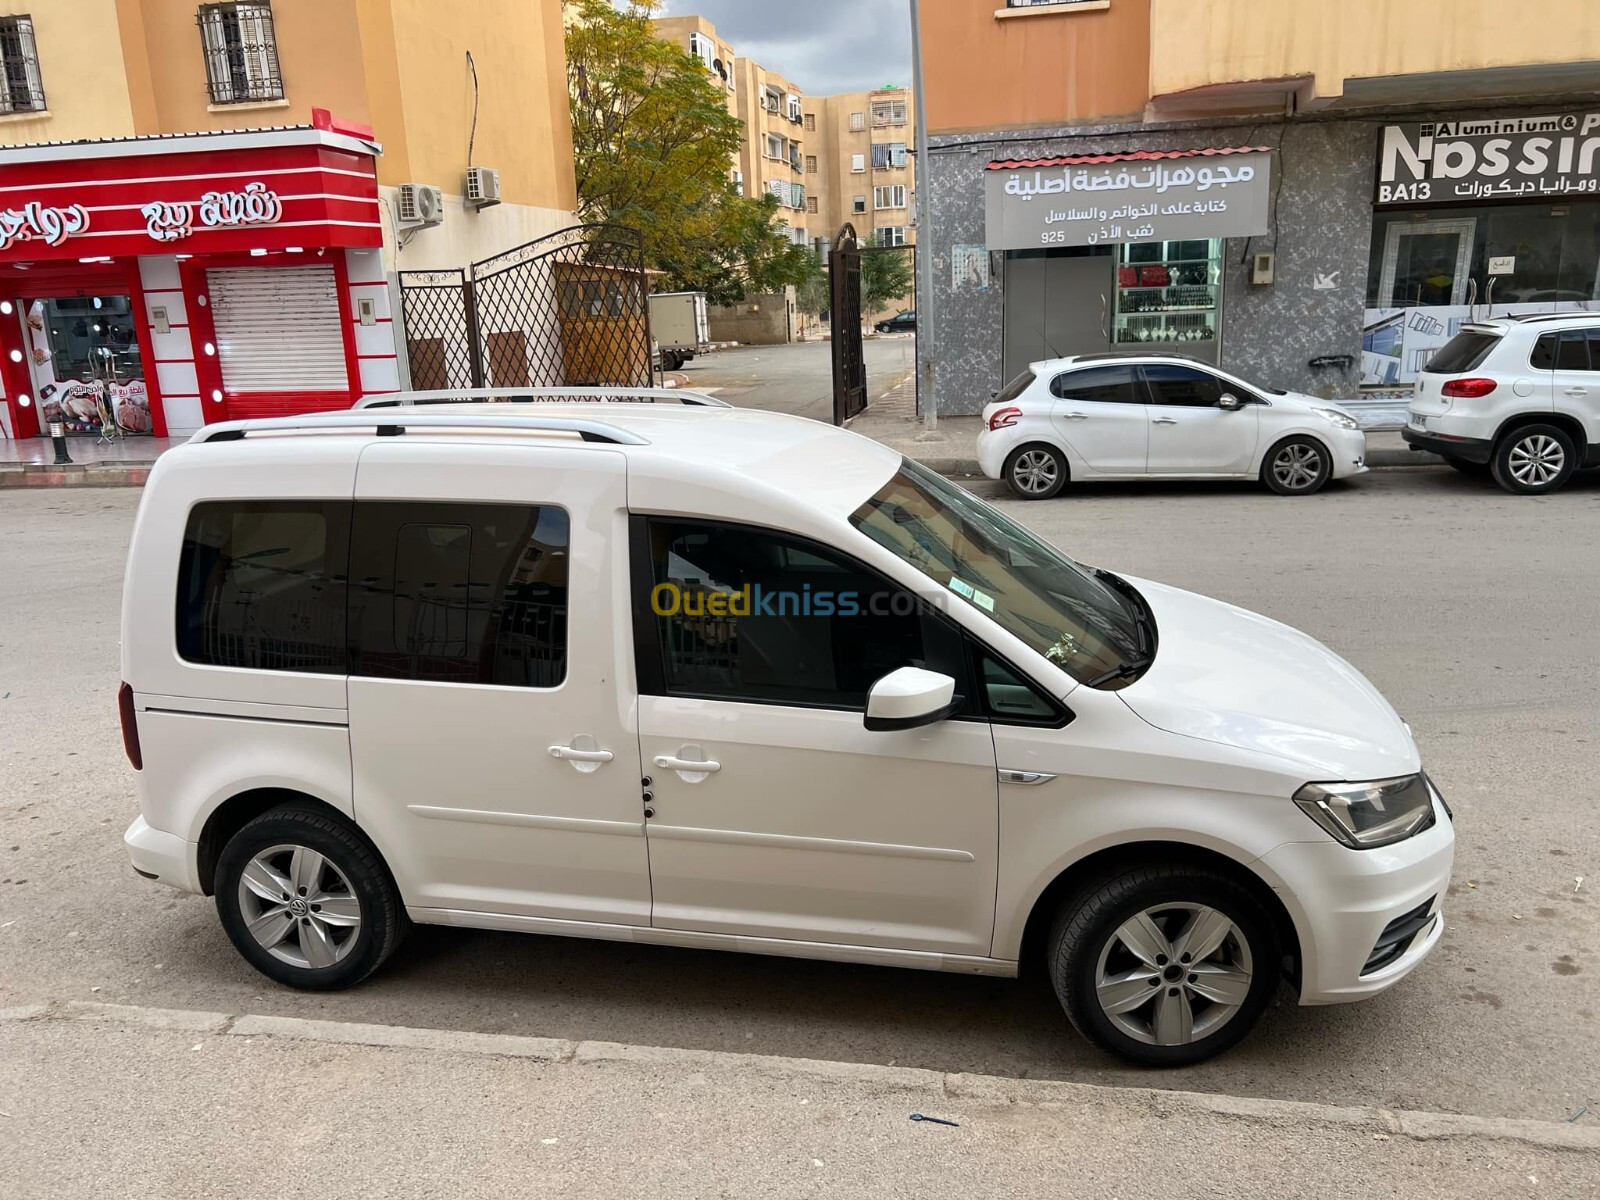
[1439, 162]
[1144, 196]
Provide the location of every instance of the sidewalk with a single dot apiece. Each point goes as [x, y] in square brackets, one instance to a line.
[30, 462]
[121, 1101]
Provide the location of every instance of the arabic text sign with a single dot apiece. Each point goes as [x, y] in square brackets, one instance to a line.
[1437, 162]
[1169, 199]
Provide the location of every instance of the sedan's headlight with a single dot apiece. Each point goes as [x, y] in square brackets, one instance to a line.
[1364, 815]
[1342, 419]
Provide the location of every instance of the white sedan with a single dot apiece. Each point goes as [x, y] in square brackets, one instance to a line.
[1137, 416]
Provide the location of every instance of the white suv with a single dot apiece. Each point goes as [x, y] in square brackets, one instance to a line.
[721, 678]
[1518, 397]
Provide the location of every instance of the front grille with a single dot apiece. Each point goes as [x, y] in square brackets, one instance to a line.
[1398, 935]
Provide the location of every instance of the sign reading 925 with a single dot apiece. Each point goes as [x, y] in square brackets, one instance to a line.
[1489, 159]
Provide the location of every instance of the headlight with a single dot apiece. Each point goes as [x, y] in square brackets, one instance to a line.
[1342, 420]
[1364, 815]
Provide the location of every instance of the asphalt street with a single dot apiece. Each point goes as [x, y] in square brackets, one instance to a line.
[1476, 612]
[797, 378]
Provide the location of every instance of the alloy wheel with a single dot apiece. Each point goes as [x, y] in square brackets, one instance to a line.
[1536, 461]
[299, 906]
[1173, 974]
[1035, 472]
[1297, 466]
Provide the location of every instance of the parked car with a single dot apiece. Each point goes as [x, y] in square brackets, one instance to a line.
[1518, 397]
[901, 322]
[1140, 416]
[719, 678]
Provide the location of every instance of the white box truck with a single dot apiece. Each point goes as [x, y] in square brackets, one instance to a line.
[678, 327]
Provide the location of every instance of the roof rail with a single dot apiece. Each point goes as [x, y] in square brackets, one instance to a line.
[392, 423]
[533, 395]
[1530, 318]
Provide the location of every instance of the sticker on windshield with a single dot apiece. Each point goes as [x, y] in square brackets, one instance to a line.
[983, 600]
[959, 588]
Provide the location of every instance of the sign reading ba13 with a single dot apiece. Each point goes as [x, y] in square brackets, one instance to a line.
[1439, 162]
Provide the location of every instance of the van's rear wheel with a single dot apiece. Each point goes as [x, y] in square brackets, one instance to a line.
[306, 900]
[1164, 966]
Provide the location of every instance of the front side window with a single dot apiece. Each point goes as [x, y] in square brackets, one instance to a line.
[1182, 387]
[1029, 588]
[756, 616]
[241, 52]
[1098, 385]
[261, 585]
[21, 88]
[459, 593]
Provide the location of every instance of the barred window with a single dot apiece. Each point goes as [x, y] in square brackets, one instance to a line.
[21, 89]
[241, 52]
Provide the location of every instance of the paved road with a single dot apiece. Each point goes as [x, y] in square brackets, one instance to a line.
[1475, 611]
[797, 378]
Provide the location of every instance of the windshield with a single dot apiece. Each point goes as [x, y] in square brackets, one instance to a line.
[977, 553]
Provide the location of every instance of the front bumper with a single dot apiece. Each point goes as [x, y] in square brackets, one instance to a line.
[1349, 453]
[1467, 449]
[1343, 900]
[164, 857]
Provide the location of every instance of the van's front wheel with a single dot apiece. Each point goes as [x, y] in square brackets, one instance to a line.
[306, 900]
[1164, 966]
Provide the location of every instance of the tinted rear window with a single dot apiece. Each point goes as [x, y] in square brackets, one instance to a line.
[1464, 352]
[1014, 389]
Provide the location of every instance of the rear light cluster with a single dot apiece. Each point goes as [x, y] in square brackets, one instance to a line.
[130, 726]
[1004, 417]
[1468, 388]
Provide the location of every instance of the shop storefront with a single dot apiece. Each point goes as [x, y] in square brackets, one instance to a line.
[152, 285]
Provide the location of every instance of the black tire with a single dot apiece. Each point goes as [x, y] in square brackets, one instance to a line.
[350, 867]
[1534, 460]
[1468, 468]
[1284, 467]
[1036, 471]
[1087, 929]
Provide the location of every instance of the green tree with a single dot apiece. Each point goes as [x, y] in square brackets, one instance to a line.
[652, 143]
[886, 275]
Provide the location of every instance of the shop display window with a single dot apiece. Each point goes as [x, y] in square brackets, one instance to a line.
[83, 355]
[1168, 292]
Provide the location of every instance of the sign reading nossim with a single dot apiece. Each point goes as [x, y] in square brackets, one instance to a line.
[1070, 202]
[1489, 158]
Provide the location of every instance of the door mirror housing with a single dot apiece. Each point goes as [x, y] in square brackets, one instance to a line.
[908, 698]
[1228, 402]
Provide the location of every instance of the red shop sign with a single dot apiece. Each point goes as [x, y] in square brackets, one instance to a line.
[208, 193]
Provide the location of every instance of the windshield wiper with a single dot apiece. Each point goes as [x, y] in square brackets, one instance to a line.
[1121, 671]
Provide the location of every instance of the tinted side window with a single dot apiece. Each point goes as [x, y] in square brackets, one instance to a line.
[1543, 357]
[1098, 385]
[1572, 351]
[261, 585]
[1183, 387]
[1010, 699]
[756, 616]
[459, 593]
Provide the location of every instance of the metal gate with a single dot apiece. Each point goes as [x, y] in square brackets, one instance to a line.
[849, 358]
[569, 310]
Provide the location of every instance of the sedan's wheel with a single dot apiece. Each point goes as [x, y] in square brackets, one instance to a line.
[306, 900]
[1036, 472]
[1164, 966]
[1534, 459]
[1297, 466]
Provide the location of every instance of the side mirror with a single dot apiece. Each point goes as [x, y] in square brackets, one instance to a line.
[909, 697]
[1228, 402]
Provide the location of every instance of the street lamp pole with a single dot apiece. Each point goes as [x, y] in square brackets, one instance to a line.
[924, 251]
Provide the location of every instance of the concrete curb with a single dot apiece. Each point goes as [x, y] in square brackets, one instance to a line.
[77, 475]
[911, 1081]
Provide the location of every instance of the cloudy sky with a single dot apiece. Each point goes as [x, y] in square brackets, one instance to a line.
[824, 46]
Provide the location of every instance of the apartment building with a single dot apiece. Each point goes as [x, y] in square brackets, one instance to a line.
[860, 165]
[203, 205]
[1316, 196]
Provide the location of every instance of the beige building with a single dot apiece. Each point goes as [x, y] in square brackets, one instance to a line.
[860, 166]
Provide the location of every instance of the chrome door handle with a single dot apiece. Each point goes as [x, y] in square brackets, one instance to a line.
[668, 763]
[584, 756]
[1075, 416]
[1163, 420]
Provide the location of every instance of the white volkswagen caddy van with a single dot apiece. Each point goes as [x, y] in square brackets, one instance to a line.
[710, 677]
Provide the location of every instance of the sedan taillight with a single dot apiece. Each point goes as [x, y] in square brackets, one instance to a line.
[1468, 388]
[1004, 417]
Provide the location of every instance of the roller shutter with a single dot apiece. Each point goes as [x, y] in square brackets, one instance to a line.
[278, 329]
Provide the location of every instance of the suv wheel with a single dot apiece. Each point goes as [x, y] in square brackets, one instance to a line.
[1164, 966]
[307, 901]
[1297, 466]
[1534, 459]
[1036, 472]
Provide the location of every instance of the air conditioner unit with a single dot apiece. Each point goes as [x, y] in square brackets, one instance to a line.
[420, 204]
[483, 186]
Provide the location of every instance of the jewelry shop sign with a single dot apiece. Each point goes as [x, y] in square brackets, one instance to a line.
[1439, 162]
[1070, 203]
